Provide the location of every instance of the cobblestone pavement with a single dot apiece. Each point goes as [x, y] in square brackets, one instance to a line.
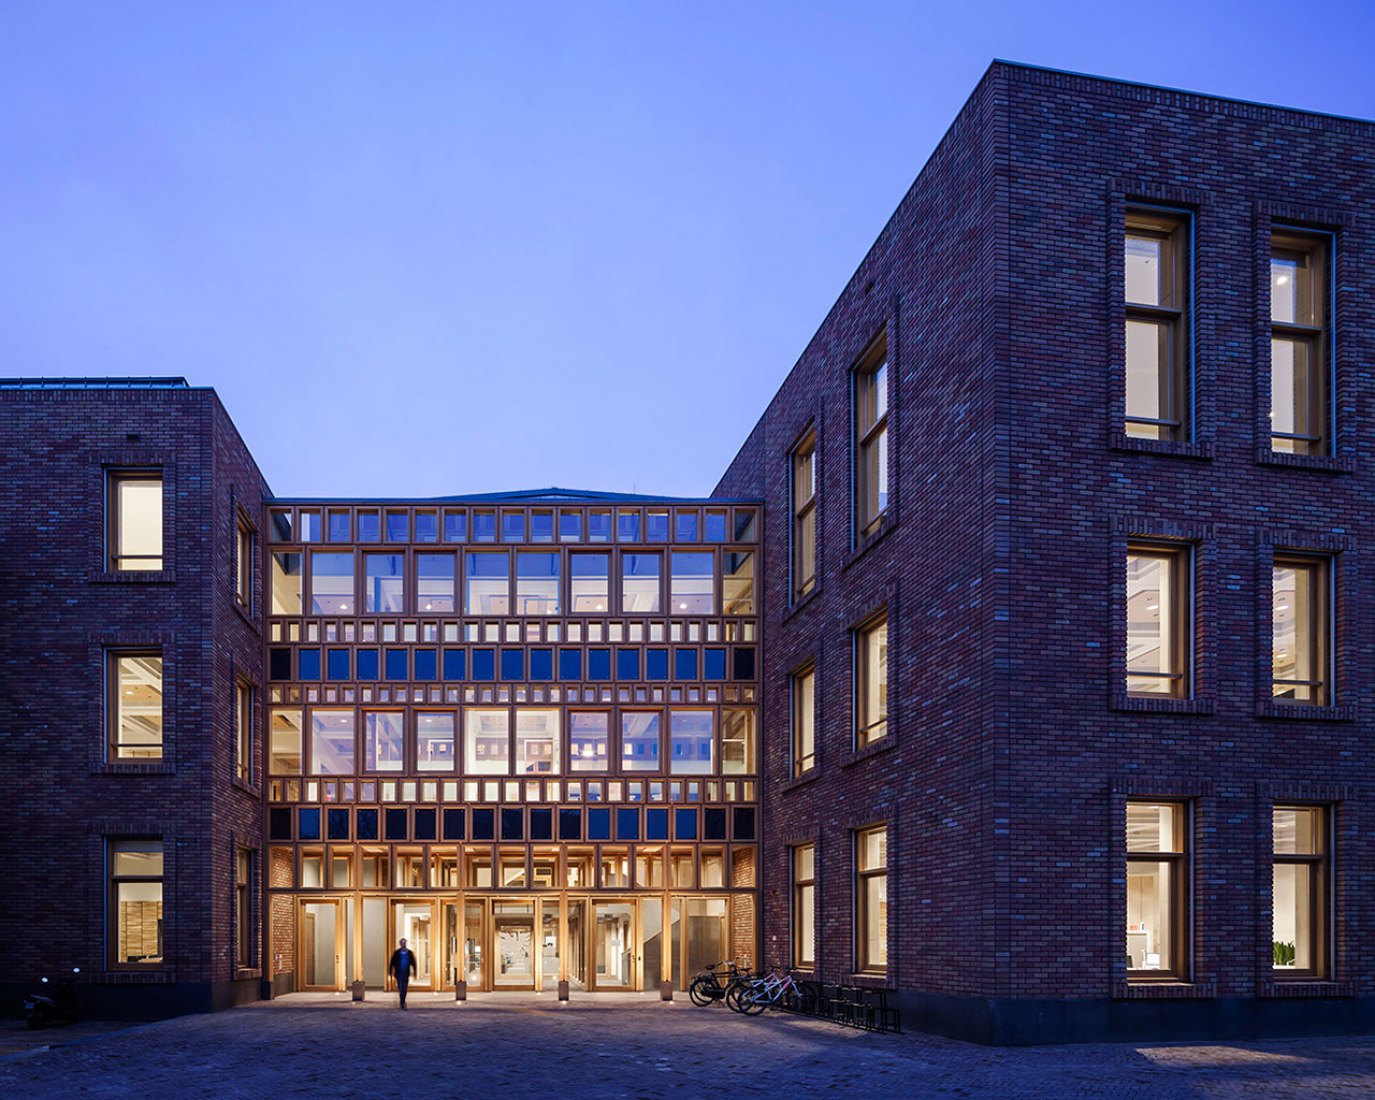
[634, 1046]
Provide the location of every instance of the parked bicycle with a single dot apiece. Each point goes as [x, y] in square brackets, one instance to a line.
[773, 989]
[707, 987]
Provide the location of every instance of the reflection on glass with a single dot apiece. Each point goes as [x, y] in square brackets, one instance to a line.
[286, 584]
[640, 583]
[589, 582]
[691, 732]
[1143, 270]
[692, 583]
[1298, 628]
[640, 741]
[383, 742]
[384, 588]
[537, 742]
[873, 683]
[537, 583]
[434, 579]
[1153, 659]
[331, 742]
[588, 740]
[487, 742]
[285, 743]
[434, 742]
[489, 581]
[331, 582]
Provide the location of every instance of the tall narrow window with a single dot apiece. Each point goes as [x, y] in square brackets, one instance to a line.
[804, 905]
[871, 900]
[243, 565]
[384, 583]
[804, 517]
[1156, 288]
[434, 582]
[1300, 937]
[134, 506]
[871, 442]
[1301, 631]
[1299, 327]
[286, 584]
[243, 908]
[871, 682]
[537, 583]
[692, 583]
[1158, 626]
[243, 732]
[804, 719]
[434, 742]
[331, 583]
[589, 582]
[489, 584]
[135, 706]
[640, 585]
[135, 906]
[331, 742]
[1157, 894]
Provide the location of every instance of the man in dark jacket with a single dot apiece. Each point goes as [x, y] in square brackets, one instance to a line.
[403, 965]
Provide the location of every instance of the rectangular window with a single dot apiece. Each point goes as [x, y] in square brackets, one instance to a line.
[135, 706]
[243, 565]
[537, 583]
[434, 742]
[331, 742]
[692, 584]
[1157, 890]
[331, 582]
[804, 720]
[871, 683]
[804, 517]
[384, 742]
[243, 732]
[640, 741]
[286, 584]
[1299, 335]
[871, 900]
[691, 736]
[589, 738]
[1302, 631]
[384, 586]
[285, 750]
[871, 441]
[538, 742]
[135, 908]
[589, 584]
[134, 507]
[1158, 621]
[1156, 289]
[434, 582]
[640, 587]
[737, 582]
[489, 584]
[487, 742]
[243, 908]
[1301, 929]
[804, 905]
[738, 741]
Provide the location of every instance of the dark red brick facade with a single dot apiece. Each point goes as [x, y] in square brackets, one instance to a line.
[1012, 747]
[60, 800]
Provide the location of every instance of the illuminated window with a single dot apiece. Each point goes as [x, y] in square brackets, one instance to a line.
[691, 737]
[871, 900]
[1156, 271]
[1301, 628]
[434, 582]
[434, 741]
[640, 741]
[1158, 621]
[383, 741]
[871, 683]
[804, 516]
[487, 742]
[489, 583]
[589, 739]
[640, 586]
[243, 731]
[589, 583]
[804, 905]
[331, 742]
[692, 584]
[1299, 335]
[135, 708]
[331, 583]
[871, 441]
[737, 583]
[1301, 933]
[135, 907]
[384, 585]
[243, 908]
[135, 520]
[284, 751]
[804, 720]
[1157, 890]
[537, 583]
[243, 565]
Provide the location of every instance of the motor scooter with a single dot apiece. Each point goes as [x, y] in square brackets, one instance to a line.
[52, 1004]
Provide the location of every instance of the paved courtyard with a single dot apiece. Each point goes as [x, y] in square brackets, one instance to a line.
[625, 1046]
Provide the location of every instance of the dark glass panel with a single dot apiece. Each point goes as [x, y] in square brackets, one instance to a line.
[685, 664]
[396, 823]
[454, 664]
[484, 823]
[367, 824]
[743, 663]
[454, 822]
[715, 662]
[279, 823]
[627, 823]
[656, 823]
[310, 664]
[308, 823]
[627, 664]
[656, 664]
[541, 823]
[598, 823]
[425, 661]
[513, 664]
[397, 662]
[684, 824]
[425, 823]
[714, 823]
[512, 823]
[279, 664]
[338, 664]
[570, 664]
[367, 664]
[744, 823]
[570, 824]
[484, 664]
[338, 822]
[541, 664]
[599, 664]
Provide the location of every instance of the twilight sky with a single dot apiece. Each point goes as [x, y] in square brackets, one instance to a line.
[423, 249]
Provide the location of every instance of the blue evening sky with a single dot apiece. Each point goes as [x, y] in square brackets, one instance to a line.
[423, 249]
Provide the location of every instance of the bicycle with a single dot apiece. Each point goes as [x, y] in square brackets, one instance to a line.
[706, 987]
[771, 990]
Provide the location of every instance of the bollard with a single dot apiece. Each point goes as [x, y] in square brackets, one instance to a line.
[563, 991]
[665, 991]
[359, 990]
[460, 991]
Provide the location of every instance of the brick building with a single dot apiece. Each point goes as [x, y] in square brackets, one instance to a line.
[1039, 580]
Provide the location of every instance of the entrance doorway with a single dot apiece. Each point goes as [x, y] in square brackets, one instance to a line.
[414, 922]
[613, 944]
[321, 946]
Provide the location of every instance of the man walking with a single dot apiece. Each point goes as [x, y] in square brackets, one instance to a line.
[403, 965]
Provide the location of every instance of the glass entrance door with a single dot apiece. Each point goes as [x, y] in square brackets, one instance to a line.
[322, 946]
[414, 922]
[549, 944]
[513, 933]
[613, 944]
[577, 943]
[474, 952]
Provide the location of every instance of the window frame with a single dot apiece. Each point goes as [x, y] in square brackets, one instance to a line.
[804, 516]
[1179, 557]
[1180, 862]
[243, 908]
[113, 880]
[862, 737]
[1320, 630]
[1319, 247]
[244, 693]
[869, 436]
[245, 541]
[1320, 900]
[802, 683]
[1175, 228]
[863, 876]
[114, 557]
[113, 745]
[803, 900]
